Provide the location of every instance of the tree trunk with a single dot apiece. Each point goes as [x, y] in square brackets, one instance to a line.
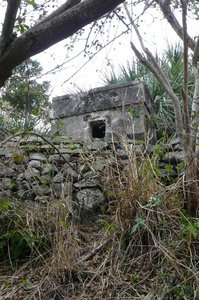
[192, 188]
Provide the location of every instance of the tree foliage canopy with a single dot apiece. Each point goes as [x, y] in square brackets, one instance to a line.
[24, 102]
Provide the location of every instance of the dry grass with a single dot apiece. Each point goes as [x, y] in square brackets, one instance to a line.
[142, 247]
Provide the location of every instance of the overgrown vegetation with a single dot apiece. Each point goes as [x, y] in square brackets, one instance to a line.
[142, 246]
[24, 104]
[171, 62]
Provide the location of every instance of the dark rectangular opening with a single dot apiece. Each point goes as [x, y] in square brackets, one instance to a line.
[98, 129]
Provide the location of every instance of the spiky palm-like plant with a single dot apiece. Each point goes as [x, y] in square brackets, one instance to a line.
[171, 62]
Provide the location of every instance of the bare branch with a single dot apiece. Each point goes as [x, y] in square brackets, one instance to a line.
[168, 14]
[156, 70]
[182, 128]
[151, 63]
[8, 24]
[96, 250]
[185, 93]
[47, 33]
[195, 103]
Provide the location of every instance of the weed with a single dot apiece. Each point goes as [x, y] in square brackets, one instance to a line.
[143, 246]
[18, 157]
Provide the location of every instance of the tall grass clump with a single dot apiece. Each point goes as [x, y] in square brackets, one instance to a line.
[141, 245]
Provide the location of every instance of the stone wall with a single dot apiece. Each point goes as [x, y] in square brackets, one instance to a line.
[34, 169]
[116, 110]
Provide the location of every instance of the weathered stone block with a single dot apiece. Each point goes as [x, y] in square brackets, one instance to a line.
[173, 157]
[49, 169]
[31, 173]
[120, 111]
[37, 156]
[58, 158]
[35, 164]
[93, 182]
[90, 199]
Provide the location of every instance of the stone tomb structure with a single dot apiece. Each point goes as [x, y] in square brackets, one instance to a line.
[112, 112]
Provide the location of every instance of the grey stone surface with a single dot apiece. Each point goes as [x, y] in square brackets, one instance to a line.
[25, 191]
[93, 182]
[61, 140]
[174, 141]
[49, 169]
[121, 110]
[123, 154]
[44, 177]
[6, 194]
[44, 180]
[20, 177]
[83, 168]
[60, 190]
[35, 164]
[7, 151]
[172, 157]
[41, 190]
[71, 173]
[90, 175]
[6, 183]
[58, 178]
[98, 145]
[46, 148]
[108, 97]
[177, 147]
[31, 173]
[7, 172]
[90, 199]
[71, 152]
[63, 151]
[58, 158]
[37, 156]
[32, 139]
[99, 164]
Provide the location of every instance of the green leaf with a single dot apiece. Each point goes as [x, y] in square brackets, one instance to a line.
[134, 112]
[140, 222]
[154, 201]
[30, 2]
[4, 204]
[168, 168]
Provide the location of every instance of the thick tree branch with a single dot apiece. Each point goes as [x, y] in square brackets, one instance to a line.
[156, 70]
[170, 17]
[47, 33]
[151, 63]
[182, 126]
[8, 24]
[66, 6]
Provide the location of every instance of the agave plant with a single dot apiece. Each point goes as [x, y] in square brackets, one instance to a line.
[171, 62]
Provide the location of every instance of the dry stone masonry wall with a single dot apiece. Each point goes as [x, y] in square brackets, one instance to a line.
[34, 170]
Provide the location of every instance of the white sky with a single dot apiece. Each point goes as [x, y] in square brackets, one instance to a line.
[157, 35]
